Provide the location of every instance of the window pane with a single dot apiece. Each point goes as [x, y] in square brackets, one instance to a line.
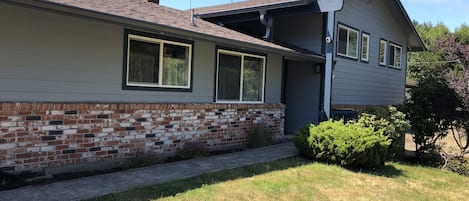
[382, 50]
[342, 41]
[175, 65]
[398, 57]
[253, 79]
[365, 41]
[353, 44]
[143, 62]
[391, 55]
[229, 77]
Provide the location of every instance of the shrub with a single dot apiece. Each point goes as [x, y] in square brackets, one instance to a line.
[301, 142]
[143, 160]
[431, 110]
[193, 150]
[459, 166]
[394, 125]
[349, 145]
[260, 136]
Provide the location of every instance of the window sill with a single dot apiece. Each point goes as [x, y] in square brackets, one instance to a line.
[347, 57]
[154, 88]
[239, 102]
[395, 68]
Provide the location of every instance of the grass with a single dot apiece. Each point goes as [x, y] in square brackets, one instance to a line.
[299, 179]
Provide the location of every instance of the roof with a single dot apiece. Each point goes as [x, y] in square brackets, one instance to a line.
[416, 43]
[242, 5]
[144, 11]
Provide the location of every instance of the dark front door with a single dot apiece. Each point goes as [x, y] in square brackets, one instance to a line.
[301, 94]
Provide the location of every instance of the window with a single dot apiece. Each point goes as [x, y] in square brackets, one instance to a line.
[240, 77]
[395, 55]
[157, 63]
[365, 47]
[348, 42]
[382, 52]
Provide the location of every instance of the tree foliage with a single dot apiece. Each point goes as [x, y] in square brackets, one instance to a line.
[462, 34]
[440, 102]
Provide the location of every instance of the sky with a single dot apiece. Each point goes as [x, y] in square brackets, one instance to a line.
[453, 13]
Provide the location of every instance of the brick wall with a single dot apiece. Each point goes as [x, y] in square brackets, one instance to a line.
[37, 135]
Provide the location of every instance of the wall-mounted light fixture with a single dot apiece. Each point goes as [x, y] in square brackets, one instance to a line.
[318, 68]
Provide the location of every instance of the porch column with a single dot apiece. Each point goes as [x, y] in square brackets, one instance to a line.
[329, 62]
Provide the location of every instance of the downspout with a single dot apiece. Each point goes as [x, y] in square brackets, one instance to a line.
[268, 23]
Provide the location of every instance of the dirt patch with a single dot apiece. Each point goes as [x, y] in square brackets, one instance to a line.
[448, 144]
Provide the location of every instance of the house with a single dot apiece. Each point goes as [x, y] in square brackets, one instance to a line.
[82, 80]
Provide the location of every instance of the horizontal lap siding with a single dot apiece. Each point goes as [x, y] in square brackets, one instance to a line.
[303, 31]
[359, 83]
[51, 57]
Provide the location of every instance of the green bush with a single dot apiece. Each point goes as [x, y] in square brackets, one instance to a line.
[260, 136]
[193, 150]
[394, 125]
[301, 142]
[349, 145]
[459, 166]
[143, 160]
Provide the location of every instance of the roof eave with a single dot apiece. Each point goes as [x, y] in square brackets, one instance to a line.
[254, 9]
[421, 46]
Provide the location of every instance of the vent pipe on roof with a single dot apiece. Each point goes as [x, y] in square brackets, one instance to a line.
[154, 1]
[192, 18]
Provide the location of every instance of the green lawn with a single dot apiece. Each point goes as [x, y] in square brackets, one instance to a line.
[299, 179]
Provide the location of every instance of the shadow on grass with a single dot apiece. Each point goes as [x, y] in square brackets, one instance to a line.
[387, 171]
[175, 187]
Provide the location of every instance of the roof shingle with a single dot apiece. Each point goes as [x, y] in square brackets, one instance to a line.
[239, 5]
[143, 10]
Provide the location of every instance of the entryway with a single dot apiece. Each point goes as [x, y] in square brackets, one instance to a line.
[301, 94]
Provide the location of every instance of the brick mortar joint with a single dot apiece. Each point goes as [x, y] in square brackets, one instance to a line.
[25, 106]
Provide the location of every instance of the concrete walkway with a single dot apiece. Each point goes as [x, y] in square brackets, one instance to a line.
[95, 186]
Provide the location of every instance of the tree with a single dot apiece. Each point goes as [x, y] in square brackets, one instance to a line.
[430, 111]
[457, 77]
[422, 65]
[462, 34]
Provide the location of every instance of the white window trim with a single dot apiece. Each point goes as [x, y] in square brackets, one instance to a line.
[400, 56]
[383, 63]
[365, 35]
[347, 44]
[241, 78]
[160, 70]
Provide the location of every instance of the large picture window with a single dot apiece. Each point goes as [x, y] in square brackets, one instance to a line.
[347, 42]
[153, 62]
[395, 52]
[240, 77]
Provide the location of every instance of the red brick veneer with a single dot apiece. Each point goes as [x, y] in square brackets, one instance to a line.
[37, 135]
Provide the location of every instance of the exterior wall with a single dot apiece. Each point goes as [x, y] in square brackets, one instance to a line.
[304, 31]
[302, 95]
[38, 135]
[53, 57]
[62, 100]
[360, 83]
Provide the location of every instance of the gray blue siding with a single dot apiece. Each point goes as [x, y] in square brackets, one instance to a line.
[52, 57]
[304, 31]
[359, 83]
